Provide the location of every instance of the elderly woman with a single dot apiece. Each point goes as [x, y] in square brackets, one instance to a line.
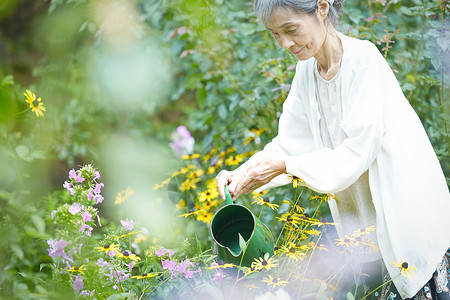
[347, 129]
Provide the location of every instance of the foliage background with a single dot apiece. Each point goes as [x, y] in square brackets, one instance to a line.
[117, 77]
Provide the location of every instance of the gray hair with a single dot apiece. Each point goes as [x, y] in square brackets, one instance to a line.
[264, 8]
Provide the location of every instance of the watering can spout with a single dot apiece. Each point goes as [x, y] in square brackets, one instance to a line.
[240, 237]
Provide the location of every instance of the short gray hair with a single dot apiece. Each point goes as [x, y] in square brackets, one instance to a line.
[264, 8]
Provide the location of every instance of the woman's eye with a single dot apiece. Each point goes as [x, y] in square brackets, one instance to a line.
[290, 31]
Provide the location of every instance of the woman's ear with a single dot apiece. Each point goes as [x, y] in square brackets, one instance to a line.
[322, 9]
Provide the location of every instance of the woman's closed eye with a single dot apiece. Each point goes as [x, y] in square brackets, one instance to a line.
[292, 30]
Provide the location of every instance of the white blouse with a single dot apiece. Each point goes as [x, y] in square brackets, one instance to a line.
[385, 138]
[354, 208]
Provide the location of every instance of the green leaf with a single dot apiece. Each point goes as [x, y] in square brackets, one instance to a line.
[350, 296]
[121, 296]
[23, 151]
[242, 243]
[8, 80]
[39, 223]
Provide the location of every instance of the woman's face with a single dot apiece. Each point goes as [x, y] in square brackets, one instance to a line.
[301, 33]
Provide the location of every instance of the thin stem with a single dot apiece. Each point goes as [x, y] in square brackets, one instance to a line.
[15, 115]
[379, 287]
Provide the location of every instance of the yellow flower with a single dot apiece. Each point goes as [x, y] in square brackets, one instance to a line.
[196, 173]
[234, 160]
[259, 194]
[140, 238]
[265, 201]
[404, 268]
[264, 263]
[274, 282]
[191, 156]
[79, 270]
[223, 266]
[347, 241]
[158, 186]
[189, 183]
[293, 251]
[36, 107]
[181, 204]
[128, 234]
[363, 231]
[108, 247]
[252, 136]
[205, 217]
[128, 255]
[320, 247]
[295, 180]
[291, 219]
[210, 154]
[190, 213]
[145, 275]
[209, 194]
[123, 195]
[250, 286]
[313, 231]
[211, 184]
[207, 205]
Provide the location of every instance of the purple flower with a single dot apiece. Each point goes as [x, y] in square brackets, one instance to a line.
[170, 252]
[74, 208]
[188, 273]
[183, 132]
[98, 199]
[97, 175]
[112, 253]
[102, 263]
[79, 179]
[160, 252]
[78, 284]
[72, 174]
[53, 213]
[200, 271]
[90, 195]
[169, 264]
[56, 247]
[129, 225]
[87, 293]
[98, 188]
[130, 266]
[67, 185]
[181, 267]
[188, 262]
[84, 227]
[86, 216]
[183, 142]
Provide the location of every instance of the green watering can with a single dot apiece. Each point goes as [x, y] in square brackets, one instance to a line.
[238, 235]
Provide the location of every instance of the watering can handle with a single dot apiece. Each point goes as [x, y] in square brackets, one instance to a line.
[228, 196]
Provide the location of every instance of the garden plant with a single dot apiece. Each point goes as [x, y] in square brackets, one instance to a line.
[116, 116]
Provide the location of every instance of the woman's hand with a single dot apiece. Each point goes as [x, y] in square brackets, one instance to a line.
[250, 176]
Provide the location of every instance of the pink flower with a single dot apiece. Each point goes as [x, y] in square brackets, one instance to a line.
[160, 252]
[169, 264]
[98, 188]
[130, 266]
[79, 179]
[84, 227]
[200, 271]
[74, 208]
[129, 225]
[86, 216]
[188, 273]
[98, 199]
[97, 175]
[53, 213]
[78, 284]
[170, 252]
[112, 253]
[56, 247]
[72, 174]
[89, 196]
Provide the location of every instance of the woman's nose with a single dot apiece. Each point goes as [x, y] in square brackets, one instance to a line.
[286, 42]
